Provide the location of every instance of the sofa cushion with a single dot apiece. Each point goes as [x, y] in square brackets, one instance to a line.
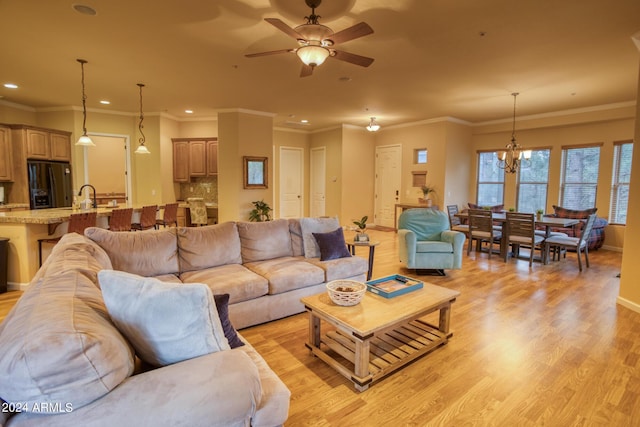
[236, 280]
[341, 268]
[264, 240]
[147, 253]
[76, 252]
[427, 224]
[295, 230]
[433, 247]
[59, 346]
[315, 225]
[209, 246]
[165, 322]
[287, 273]
[332, 245]
[222, 305]
[561, 212]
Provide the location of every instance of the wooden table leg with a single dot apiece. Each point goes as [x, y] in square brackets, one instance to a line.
[314, 330]
[361, 369]
[445, 319]
[371, 255]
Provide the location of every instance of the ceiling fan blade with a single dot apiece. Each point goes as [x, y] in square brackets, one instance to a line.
[362, 61]
[271, 52]
[359, 30]
[306, 71]
[284, 28]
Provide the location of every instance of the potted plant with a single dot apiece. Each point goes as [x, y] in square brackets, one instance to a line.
[539, 213]
[361, 236]
[261, 211]
[426, 190]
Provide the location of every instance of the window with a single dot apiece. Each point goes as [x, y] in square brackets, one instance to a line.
[490, 180]
[533, 182]
[620, 189]
[579, 177]
[420, 156]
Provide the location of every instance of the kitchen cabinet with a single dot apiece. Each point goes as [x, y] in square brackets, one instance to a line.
[194, 157]
[45, 144]
[6, 157]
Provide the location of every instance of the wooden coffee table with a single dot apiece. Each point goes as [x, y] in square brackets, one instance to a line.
[378, 336]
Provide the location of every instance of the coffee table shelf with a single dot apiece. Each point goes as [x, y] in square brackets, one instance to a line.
[378, 336]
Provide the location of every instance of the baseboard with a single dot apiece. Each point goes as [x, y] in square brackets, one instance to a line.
[628, 304]
[611, 248]
[11, 286]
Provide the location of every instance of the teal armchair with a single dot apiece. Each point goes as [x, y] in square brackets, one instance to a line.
[425, 241]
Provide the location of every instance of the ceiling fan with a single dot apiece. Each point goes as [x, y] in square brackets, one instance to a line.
[316, 41]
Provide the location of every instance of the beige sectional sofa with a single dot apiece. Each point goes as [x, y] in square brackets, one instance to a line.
[65, 362]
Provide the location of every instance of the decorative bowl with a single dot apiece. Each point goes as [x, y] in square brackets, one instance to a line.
[346, 292]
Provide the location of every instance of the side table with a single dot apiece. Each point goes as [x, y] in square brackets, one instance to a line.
[372, 250]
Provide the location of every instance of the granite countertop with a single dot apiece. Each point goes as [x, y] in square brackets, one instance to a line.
[15, 206]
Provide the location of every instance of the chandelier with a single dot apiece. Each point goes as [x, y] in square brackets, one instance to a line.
[373, 126]
[141, 148]
[514, 156]
[84, 140]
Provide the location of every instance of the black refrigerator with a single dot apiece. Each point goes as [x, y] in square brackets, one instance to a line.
[49, 184]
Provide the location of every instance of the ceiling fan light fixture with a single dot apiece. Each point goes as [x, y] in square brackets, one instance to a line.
[313, 55]
[373, 126]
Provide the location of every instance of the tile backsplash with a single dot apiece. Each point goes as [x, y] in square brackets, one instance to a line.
[205, 187]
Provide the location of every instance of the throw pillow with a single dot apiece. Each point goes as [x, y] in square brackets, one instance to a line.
[315, 225]
[561, 212]
[164, 322]
[222, 304]
[332, 245]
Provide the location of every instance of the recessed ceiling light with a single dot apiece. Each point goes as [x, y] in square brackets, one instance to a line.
[304, 121]
[84, 9]
[188, 111]
[11, 86]
[105, 102]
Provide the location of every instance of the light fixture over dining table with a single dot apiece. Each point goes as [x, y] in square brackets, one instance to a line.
[514, 157]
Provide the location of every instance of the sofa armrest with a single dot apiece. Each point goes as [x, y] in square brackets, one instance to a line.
[407, 247]
[217, 389]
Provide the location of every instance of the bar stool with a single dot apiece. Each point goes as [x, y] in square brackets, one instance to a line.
[120, 219]
[170, 215]
[197, 211]
[77, 224]
[147, 218]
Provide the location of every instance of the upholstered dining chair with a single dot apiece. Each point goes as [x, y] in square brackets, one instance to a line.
[169, 216]
[521, 230]
[197, 211]
[481, 229]
[77, 224]
[120, 219]
[147, 218]
[579, 244]
[454, 222]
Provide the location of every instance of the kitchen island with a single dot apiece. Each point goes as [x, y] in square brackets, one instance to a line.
[25, 227]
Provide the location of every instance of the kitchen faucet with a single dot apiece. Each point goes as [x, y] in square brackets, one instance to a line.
[95, 201]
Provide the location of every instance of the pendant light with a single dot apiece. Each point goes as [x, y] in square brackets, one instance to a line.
[141, 148]
[84, 140]
[373, 126]
[514, 156]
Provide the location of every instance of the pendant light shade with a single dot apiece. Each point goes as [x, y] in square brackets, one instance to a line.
[142, 149]
[84, 140]
[373, 126]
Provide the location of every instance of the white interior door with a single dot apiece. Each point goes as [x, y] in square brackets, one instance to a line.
[291, 182]
[318, 173]
[388, 182]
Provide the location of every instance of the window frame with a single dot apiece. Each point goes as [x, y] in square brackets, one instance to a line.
[616, 183]
[563, 176]
[479, 183]
[519, 181]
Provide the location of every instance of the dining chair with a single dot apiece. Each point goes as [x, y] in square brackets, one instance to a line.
[521, 230]
[147, 218]
[197, 211]
[481, 229]
[455, 223]
[120, 219]
[77, 224]
[169, 216]
[579, 244]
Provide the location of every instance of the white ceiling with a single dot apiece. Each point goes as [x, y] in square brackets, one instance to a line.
[430, 58]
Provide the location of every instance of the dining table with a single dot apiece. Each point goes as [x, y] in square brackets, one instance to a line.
[548, 222]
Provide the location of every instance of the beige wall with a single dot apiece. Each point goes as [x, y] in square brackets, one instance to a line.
[169, 128]
[358, 175]
[197, 129]
[16, 114]
[242, 134]
[458, 159]
[332, 141]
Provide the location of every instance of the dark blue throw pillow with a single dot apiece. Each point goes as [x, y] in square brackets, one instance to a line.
[332, 245]
[222, 304]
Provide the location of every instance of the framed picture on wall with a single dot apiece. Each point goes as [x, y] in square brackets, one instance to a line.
[255, 172]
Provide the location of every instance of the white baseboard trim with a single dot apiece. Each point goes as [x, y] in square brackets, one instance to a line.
[12, 286]
[628, 304]
[611, 248]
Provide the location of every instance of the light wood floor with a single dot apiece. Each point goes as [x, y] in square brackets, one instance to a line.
[540, 347]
